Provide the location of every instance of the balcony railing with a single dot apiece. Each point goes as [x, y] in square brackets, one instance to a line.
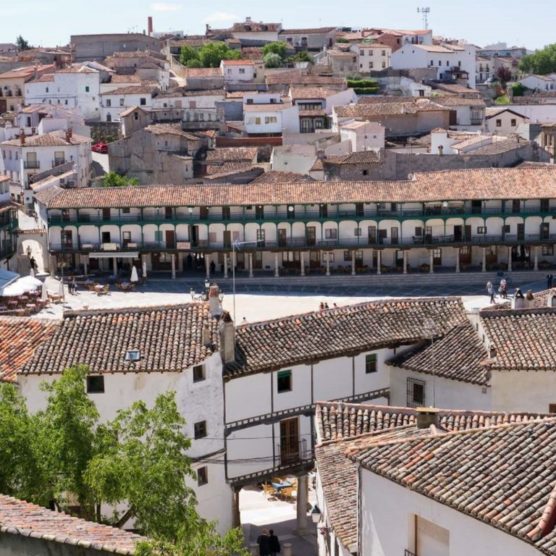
[31, 164]
[297, 243]
[294, 452]
[58, 162]
[303, 215]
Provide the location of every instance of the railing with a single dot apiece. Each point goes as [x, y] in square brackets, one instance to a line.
[58, 162]
[324, 245]
[31, 164]
[407, 552]
[293, 452]
[298, 215]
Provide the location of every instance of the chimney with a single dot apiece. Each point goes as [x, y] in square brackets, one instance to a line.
[206, 335]
[426, 416]
[215, 306]
[149, 25]
[69, 134]
[227, 333]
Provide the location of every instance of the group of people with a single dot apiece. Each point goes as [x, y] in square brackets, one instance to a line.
[268, 542]
[502, 290]
[324, 306]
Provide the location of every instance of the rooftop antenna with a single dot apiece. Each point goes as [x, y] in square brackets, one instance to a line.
[425, 10]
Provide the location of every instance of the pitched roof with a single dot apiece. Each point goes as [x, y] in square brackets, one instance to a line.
[18, 517]
[500, 475]
[453, 100]
[237, 63]
[274, 176]
[351, 428]
[381, 109]
[132, 90]
[523, 339]
[457, 356]
[57, 138]
[20, 339]
[308, 31]
[307, 93]
[232, 154]
[170, 129]
[288, 341]
[169, 339]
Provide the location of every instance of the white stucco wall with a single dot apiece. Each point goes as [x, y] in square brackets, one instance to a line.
[386, 522]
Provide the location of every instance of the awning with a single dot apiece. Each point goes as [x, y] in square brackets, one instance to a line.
[115, 255]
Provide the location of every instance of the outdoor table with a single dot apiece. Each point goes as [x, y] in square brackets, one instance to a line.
[283, 484]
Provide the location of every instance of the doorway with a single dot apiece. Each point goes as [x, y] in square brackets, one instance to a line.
[289, 441]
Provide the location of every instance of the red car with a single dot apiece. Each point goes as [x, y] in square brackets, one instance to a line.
[100, 148]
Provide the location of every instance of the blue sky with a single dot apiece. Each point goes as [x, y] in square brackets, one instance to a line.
[50, 22]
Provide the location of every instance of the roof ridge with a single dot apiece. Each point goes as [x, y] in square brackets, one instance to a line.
[116, 310]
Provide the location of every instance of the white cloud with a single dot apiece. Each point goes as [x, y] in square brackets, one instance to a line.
[218, 18]
[165, 7]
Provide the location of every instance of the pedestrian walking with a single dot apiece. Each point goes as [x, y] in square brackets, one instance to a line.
[548, 281]
[264, 543]
[504, 288]
[490, 291]
[274, 544]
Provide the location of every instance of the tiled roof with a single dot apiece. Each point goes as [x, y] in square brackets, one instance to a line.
[292, 77]
[169, 339]
[523, 340]
[132, 90]
[276, 107]
[232, 154]
[351, 428]
[227, 168]
[359, 157]
[52, 139]
[307, 93]
[537, 182]
[379, 109]
[170, 129]
[237, 62]
[278, 177]
[457, 356]
[453, 100]
[502, 475]
[202, 72]
[18, 517]
[20, 337]
[309, 31]
[26, 72]
[336, 332]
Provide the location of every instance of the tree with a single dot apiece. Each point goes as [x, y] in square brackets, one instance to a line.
[21, 43]
[113, 179]
[63, 456]
[212, 53]
[194, 63]
[20, 474]
[504, 75]
[542, 61]
[302, 56]
[272, 60]
[188, 54]
[278, 47]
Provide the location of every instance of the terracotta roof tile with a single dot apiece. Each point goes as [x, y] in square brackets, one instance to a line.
[52, 139]
[18, 517]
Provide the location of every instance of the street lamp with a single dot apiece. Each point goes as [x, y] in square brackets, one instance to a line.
[315, 514]
[235, 245]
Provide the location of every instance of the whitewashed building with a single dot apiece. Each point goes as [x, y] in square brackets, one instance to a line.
[372, 56]
[269, 114]
[238, 71]
[77, 86]
[116, 101]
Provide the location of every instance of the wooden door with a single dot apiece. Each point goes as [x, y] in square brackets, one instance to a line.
[282, 237]
[520, 232]
[170, 239]
[311, 235]
[545, 230]
[227, 238]
[289, 441]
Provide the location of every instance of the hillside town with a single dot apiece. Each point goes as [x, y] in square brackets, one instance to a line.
[270, 290]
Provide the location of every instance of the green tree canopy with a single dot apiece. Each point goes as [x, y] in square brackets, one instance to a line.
[302, 56]
[272, 60]
[188, 54]
[64, 456]
[542, 61]
[212, 53]
[113, 179]
[21, 43]
[277, 47]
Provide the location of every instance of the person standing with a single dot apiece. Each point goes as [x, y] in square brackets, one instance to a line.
[274, 544]
[490, 290]
[264, 543]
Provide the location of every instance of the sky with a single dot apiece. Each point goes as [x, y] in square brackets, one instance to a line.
[51, 22]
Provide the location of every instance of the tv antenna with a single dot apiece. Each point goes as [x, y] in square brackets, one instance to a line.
[425, 11]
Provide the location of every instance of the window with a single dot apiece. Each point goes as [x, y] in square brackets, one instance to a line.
[513, 122]
[132, 355]
[87, 88]
[415, 392]
[357, 232]
[199, 373]
[347, 256]
[47, 89]
[330, 233]
[547, 250]
[122, 101]
[257, 121]
[498, 122]
[371, 65]
[108, 103]
[95, 385]
[365, 172]
[359, 209]
[142, 101]
[437, 256]
[370, 363]
[200, 429]
[284, 381]
[126, 210]
[481, 230]
[506, 229]
[225, 213]
[242, 70]
[545, 205]
[202, 476]
[158, 235]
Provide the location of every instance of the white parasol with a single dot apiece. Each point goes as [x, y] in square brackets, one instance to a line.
[13, 290]
[29, 283]
[134, 276]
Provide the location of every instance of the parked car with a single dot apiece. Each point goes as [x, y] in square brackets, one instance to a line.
[100, 148]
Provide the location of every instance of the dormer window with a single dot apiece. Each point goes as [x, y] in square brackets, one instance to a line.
[132, 355]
